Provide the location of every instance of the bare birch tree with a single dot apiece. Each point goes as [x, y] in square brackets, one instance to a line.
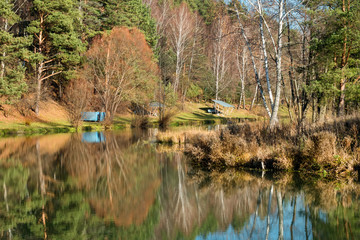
[281, 14]
[220, 59]
[241, 66]
[181, 28]
[256, 72]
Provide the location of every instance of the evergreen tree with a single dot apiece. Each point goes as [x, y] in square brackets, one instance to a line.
[206, 8]
[90, 18]
[12, 50]
[338, 46]
[130, 13]
[57, 44]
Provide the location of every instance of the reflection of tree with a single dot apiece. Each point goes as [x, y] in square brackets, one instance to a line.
[13, 178]
[280, 214]
[42, 188]
[342, 222]
[121, 182]
[111, 190]
[49, 194]
[300, 208]
[293, 219]
[183, 208]
[258, 202]
[268, 213]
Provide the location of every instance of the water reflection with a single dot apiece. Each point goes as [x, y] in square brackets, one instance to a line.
[62, 187]
[93, 137]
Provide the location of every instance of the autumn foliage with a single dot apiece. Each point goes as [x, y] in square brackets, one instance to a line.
[120, 66]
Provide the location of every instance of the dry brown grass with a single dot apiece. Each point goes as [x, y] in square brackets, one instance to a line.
[178, 137]
[331, 149]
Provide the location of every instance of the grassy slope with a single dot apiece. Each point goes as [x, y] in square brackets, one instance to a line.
[197, 112]
[52, 119]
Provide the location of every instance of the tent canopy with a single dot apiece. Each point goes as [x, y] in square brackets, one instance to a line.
[224, 104]
[156, 105]
[93, 116]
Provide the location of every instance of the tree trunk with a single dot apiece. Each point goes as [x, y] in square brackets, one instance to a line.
[341, 111]
[2, 74]
[322, 112]
[177, 71]
[314, 104]
[263, 46]
[40, 68]
[193, 47]
[242, 73]
[274, 115]
[254, 98]
[344, 58]
[38, 89]
[295, 99]
[253, 63]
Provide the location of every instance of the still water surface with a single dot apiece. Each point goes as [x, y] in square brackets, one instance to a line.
[120, 185]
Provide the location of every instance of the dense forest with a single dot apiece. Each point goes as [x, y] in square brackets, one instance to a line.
[303, 55]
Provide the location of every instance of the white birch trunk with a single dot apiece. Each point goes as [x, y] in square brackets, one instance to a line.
[2, 74]
[242, 73]
[274, 115]
[263, 46]
[181, 29]
[253, 63]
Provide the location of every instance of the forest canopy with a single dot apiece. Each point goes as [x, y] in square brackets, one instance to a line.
[302, 55]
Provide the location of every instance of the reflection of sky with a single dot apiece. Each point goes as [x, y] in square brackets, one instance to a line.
[260, 225]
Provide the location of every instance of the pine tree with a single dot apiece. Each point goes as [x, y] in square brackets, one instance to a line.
[337, 45]
[57, 44]
[12, 51]
[90, 18]
[130, 13]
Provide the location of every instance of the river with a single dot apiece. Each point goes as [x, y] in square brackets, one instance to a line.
[122, 185]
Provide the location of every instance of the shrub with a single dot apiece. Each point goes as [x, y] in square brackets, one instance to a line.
[76, 100]
[165, 119]
[140, 121]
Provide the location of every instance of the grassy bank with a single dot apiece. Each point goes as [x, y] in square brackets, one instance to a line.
[39, 128]
[53, 119]
[331, 149]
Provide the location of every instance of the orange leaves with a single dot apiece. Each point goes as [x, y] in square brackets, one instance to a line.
[122, 45]
[120, 66]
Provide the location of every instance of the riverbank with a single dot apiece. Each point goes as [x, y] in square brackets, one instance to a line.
[53, 119]
[331, 149]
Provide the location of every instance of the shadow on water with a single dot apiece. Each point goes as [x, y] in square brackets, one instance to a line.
[115, 185]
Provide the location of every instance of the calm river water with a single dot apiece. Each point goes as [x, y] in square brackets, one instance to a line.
[121, 185]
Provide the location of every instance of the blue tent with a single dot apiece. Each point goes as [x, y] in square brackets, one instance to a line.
[93, 116]
[93, 137]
